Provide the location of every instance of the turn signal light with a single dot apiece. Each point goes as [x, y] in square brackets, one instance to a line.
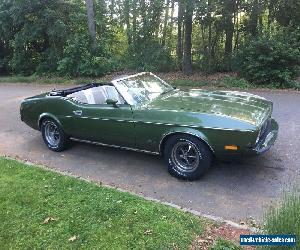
[231, 147]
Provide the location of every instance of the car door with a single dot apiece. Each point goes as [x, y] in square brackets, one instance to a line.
[103, 123]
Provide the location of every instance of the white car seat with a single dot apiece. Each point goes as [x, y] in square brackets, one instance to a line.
[97, 95]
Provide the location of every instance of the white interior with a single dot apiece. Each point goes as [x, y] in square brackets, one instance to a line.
[97, 95]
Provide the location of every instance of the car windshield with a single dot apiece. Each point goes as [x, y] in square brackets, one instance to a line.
[141, 88]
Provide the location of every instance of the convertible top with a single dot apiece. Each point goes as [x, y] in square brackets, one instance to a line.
[66, 92]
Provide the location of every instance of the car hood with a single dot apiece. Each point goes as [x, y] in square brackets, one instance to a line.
[237, 105]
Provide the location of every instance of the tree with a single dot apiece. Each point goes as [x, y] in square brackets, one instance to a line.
[179, 49]
[254, 17]
[46, 37]
[229, 6]
[188, 24]
[165, 27]
[91, 21]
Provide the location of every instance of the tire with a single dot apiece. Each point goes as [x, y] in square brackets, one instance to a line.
[53, 135]
[187, 157]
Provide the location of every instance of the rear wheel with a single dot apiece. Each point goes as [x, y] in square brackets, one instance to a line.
[53, 135]
[187, 157]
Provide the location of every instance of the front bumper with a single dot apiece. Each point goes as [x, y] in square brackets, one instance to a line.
[269, 140]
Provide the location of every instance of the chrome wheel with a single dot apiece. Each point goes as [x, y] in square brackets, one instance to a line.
[186, 156]
[52, 134]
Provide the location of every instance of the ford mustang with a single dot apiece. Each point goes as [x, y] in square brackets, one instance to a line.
[144, 113]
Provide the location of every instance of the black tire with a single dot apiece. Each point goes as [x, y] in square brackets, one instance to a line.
[187, 157]
[59, 141]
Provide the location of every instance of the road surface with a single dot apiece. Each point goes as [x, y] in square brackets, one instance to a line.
[233, 190]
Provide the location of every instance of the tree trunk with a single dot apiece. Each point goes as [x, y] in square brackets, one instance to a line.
[127, 21]
[209, 34]
[188, 24]
[163, 42]
[91, 21]
[254, 17]
[179, 50]
[236, 43]
[171, 24]
[134, 14]
[143, 14]
[229, 29]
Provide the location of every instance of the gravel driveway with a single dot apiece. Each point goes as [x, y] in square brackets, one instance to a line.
[233, 190]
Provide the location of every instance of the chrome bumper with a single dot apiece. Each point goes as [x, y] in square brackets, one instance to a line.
[269, 140]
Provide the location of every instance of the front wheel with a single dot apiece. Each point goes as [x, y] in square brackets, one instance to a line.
[53, 135]
[187, 157]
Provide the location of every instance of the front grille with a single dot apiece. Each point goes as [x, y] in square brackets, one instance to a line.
[264, 131]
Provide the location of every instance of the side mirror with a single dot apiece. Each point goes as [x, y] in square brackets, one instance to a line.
[112, 102]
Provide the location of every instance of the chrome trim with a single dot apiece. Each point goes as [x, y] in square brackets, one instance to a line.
[194, 126]
[77, 112]
[49, 115]
[138, 74]
[202, 113]
[188, 151]
[115, 146]
[161, 123]
[183, 132]
[98, 118]
[131, 76]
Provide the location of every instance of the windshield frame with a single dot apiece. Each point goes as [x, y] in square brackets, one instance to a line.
[129, 98]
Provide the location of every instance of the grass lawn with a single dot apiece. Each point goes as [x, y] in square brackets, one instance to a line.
[220, 81]
[43, 209]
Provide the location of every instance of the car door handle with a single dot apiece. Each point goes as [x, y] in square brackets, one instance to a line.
[77, 112]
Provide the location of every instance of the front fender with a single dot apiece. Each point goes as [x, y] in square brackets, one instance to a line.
[48, 115]
[182, 130]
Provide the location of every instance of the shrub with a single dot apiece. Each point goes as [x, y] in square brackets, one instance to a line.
[274, 60]
[80, 60]
[284, 219]
[234, 82]
[149, 55]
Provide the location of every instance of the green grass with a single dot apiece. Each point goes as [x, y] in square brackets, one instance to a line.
[285, 218]
[53, 79]
[228, 82]
[188, 83]
[35, 79]
[48, 80]
[99, 217]
[221, 244]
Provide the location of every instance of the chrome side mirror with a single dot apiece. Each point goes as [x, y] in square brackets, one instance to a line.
[112, 102]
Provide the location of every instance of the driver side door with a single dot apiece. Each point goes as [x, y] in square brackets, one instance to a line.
[104, 123]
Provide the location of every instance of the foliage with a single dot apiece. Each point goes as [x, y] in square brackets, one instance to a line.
[43, 209]
[40, 33]
[221, 244]
[234, 82]
[49, 37]
[79, 59]
[225, 82]
[273, 59]
[149, 56]
[284, 219]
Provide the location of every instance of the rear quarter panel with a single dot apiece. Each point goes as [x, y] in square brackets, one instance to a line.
[34, 109]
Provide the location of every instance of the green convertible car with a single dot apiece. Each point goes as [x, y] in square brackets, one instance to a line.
[143, 113]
